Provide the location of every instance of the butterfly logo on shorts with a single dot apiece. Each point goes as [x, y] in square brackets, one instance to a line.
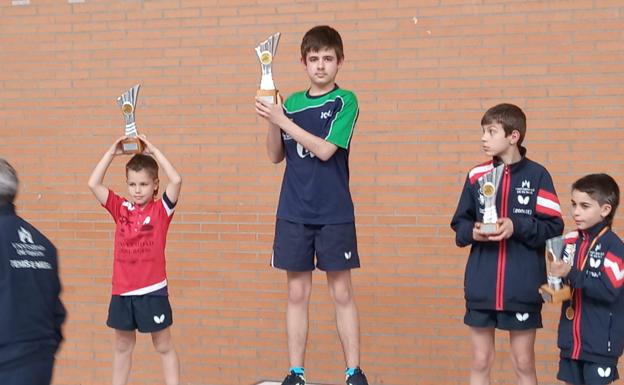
[522, 316]
[160, 319]
[347, 255]
[604, 372]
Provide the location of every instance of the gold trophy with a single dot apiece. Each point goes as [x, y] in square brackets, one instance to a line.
[266, 51]
[488, 184]
[127, 102]
[555, 291]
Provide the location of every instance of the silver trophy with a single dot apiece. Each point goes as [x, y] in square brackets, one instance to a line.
[127, 102]
[266, 51]
[555, 290]
[488, 184]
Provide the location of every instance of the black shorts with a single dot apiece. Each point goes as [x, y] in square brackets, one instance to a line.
[503, 320]
[296, 244]
[586, 373]
[147, 313]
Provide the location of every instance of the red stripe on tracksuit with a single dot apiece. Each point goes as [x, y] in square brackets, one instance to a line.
[576, 324]
[502, 249]
[544, 209]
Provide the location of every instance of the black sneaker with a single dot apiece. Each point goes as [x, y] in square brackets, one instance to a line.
[294, 379]
[357, 378]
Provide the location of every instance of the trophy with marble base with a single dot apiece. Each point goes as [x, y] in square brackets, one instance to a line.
[555, 291]
[266, 51]
[127, 102]
[488, 184]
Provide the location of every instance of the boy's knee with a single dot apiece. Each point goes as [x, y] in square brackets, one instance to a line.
[341, 293]
[525, 364]
[163, 347]
[482, 362]
[343, 296]
[124, 344]
[299, 294]
[162, 343]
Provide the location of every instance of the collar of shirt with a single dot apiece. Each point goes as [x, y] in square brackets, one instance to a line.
[7, 209]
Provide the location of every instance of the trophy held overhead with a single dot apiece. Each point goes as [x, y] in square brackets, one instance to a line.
[127, 102]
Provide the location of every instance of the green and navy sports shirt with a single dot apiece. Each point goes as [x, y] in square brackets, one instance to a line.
[314, 191]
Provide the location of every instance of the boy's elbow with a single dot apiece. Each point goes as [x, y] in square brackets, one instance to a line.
[462, 242]
[275, 158]
[177, 180]
[326, 151]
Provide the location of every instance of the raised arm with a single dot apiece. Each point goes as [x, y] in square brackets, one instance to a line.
[97, 176]
[175, 180]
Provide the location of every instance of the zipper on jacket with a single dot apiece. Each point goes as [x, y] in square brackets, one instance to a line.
[576, 323]
[502, 249]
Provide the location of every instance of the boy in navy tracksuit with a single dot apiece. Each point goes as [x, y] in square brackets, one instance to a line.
[505, 268]
[31, 312]
[591, 327]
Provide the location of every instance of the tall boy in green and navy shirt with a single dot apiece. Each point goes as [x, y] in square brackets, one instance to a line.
[315, 216]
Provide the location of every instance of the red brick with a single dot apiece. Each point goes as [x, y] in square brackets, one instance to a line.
[422, 89]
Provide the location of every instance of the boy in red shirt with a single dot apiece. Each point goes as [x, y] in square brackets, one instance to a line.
[139, 297]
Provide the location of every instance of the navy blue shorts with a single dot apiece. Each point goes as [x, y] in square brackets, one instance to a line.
[146, 313]
[503, 320]
[296, 245]
[586, 373]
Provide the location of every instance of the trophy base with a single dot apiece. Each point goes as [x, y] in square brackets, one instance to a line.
[132, 146]
[555, 296]
[489, 228]
[269, 96]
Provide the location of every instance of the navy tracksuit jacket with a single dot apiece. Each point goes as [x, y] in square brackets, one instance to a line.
[596, 333]
[506, 275]
[31, 313]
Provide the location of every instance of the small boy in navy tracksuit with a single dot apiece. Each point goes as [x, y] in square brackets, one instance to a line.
[505, 268]
[591, 327]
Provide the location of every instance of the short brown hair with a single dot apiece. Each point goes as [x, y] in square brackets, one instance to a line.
[320, 37]
[510, 116]
[603, 189]
[141, 162]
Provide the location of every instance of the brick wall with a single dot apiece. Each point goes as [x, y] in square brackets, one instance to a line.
[424, 72]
